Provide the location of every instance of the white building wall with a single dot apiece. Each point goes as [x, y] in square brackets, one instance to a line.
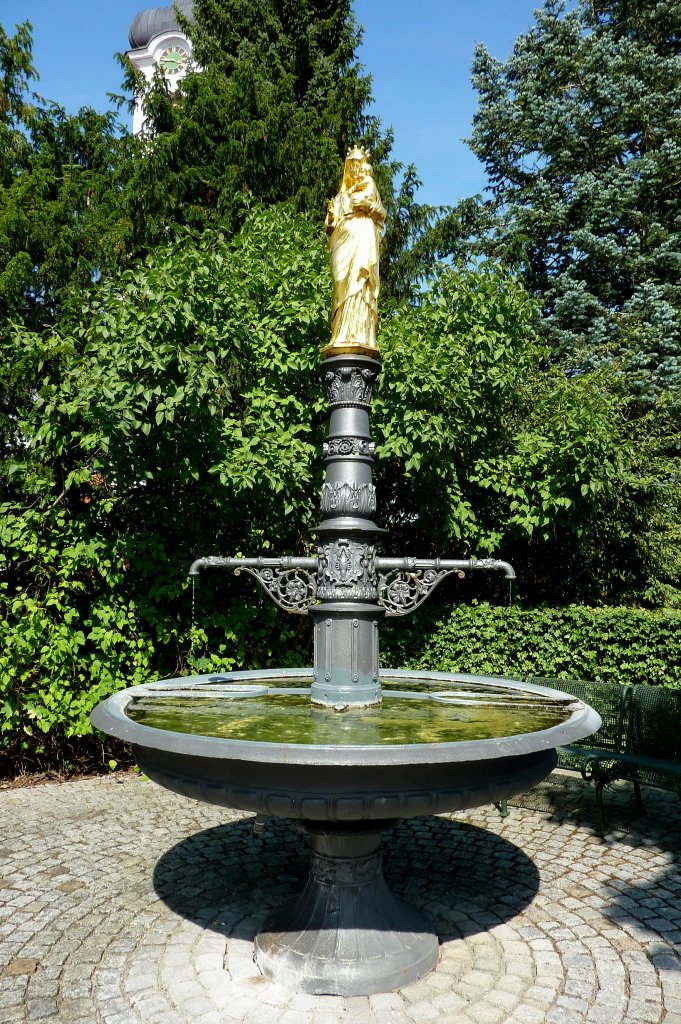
[146, 59]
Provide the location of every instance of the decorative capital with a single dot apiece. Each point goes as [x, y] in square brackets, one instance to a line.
[350, 385]
[347, 571]
[348, 446]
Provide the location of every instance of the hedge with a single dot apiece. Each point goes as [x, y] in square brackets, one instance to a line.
[624, 645]
[52, 674]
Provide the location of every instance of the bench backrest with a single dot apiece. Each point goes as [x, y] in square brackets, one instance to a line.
[655, 723]
[610, 700]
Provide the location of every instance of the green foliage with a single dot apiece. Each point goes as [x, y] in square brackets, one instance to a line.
[621, 645]
[452, 370]
[277, 99]
[162, 403]
[580, 135]
[73, 635]
[61, 187]
[482, 452]
[181, 416]
[177, 418]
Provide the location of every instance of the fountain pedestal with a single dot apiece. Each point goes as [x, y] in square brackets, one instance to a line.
[347, 616]
[346, 934]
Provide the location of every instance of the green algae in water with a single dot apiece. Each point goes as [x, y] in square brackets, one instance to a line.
[279, 718]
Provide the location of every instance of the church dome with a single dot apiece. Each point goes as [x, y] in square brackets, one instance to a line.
[156, 20]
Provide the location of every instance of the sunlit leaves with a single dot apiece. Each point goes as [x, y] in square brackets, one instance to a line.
[481, 451]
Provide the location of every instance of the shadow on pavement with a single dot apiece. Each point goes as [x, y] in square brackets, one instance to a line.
[566, 796]
[648, 904]
[228, 879]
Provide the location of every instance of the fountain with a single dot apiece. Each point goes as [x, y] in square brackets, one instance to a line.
[345, 750]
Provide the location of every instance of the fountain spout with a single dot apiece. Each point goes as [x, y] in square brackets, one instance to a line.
[494, 563]
[196, 566]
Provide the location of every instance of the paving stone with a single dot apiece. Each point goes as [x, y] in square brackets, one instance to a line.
[450, 1003]
[293, 1017]
[19, 967]
[357, 1004]
[39, 1009]
[144, 911]
[75, 1008]
[43, 988]
[422, 1011]
[383, 1002]
[14, 1015]
[504, 1000]
[329, 1016]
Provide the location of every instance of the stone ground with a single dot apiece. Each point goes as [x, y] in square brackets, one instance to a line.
[121, 903]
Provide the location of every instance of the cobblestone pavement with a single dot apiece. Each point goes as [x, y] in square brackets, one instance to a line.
[124, 904]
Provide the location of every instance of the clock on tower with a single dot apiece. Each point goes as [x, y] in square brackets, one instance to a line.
[174, 60]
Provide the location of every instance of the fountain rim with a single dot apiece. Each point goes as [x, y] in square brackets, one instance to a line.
[111, 718]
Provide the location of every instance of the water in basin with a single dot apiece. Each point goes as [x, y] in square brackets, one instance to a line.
[449, 715]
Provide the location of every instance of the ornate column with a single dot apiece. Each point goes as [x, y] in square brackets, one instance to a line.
[347, 617]
[347, 589]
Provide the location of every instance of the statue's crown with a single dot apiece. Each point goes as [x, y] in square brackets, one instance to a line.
[357, 153]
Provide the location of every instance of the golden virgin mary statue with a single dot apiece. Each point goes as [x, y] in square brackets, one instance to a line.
[354, 224]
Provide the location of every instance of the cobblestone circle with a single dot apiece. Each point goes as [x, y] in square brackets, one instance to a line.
[121, 903]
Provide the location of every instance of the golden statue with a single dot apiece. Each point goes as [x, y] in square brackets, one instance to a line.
[354, 224]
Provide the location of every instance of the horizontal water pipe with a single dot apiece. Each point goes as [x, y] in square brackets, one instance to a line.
[285, 562]
[446, 564]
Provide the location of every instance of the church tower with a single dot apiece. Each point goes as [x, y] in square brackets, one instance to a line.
[157, 41]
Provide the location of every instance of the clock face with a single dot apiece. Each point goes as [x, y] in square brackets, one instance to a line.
[174, 60]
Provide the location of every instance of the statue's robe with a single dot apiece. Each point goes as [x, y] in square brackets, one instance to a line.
[357, 217]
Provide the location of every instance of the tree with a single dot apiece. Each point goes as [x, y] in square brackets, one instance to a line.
[62, 226]
[580, 136]
[184, 417]
[61, 218]
[483, 451]
[176, 422]
[161, 394]
[276, 100]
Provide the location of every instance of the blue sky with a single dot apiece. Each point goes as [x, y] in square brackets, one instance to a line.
[419, 55]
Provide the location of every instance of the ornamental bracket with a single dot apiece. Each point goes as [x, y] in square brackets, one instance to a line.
[405, 583]
[290, 582]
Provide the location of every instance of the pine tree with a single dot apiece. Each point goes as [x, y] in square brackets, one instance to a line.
[62, 221]
[579, 132]
[276, 100]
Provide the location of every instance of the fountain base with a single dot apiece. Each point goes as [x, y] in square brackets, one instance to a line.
[346, 934]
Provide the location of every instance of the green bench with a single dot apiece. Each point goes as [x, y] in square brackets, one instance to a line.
[639, 740]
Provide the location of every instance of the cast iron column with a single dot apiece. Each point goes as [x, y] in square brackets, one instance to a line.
[347, 617]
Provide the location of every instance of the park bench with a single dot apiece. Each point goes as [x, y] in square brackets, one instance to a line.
[639, 740]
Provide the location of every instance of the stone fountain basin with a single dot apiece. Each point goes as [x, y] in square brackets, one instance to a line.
[342, 784]
[346, 933]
